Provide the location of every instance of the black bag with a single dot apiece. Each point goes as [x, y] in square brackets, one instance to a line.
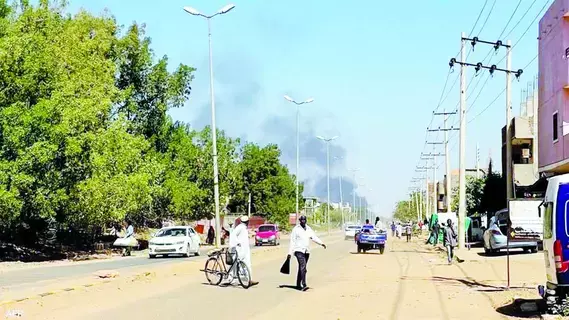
[230, 256]
[285, 269]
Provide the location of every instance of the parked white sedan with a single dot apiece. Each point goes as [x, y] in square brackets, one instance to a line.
[174, 240]
[350, 231]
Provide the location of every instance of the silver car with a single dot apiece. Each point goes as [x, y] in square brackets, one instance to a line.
[495, 239]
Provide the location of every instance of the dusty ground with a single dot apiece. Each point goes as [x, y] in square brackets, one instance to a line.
[410, 281]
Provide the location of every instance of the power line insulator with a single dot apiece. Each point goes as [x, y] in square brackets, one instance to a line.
[478, 67]
[498, 45]
[452, 62]
[518, 74]
[473, 42]
[492, 69]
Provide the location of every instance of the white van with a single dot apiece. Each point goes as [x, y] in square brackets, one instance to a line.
[555, 211]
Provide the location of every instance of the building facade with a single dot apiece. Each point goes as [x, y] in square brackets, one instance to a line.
[524, 144]
[553, 93]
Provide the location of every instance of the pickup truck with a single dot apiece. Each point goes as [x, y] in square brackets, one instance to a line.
[369, 239]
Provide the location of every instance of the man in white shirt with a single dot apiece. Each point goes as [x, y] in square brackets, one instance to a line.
[300, 246]
[239, 239]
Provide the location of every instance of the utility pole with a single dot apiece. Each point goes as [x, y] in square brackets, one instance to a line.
[448, 187]
[434, 167]
[426, 170]
[509, 181]
[249, 206]
[462, 152]
[493, 68]
[477, 161]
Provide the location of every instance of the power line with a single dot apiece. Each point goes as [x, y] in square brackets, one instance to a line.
[487, 17]
[521, 19]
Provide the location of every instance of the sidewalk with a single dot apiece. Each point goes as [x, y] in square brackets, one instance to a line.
[489, 274]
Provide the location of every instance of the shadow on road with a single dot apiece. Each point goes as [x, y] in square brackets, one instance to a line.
[502, 253]
[523, 308]
[364, 253]
[415, 251]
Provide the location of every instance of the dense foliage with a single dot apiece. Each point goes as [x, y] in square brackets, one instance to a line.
[86, 140]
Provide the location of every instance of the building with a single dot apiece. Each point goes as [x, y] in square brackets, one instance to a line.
[454, 179]
[553, 84]
[524, 144]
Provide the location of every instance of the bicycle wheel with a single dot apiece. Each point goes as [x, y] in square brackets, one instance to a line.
[244, 275]
[213, 272]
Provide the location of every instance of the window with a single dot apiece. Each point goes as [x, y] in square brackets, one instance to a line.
[266, 228]
[548, 221]
[555, 127]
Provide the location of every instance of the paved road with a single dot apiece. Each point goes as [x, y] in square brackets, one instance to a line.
[405, 283]
[29, 276]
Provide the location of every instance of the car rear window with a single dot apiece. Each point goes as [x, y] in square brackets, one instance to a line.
[266, 228]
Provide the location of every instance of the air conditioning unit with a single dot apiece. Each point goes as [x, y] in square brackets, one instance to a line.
[525, 153]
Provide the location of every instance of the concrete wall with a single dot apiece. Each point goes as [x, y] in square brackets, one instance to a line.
[553, 77]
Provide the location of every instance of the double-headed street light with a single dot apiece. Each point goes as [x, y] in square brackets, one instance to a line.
[298, 104]
[327, 141]
[195, 12]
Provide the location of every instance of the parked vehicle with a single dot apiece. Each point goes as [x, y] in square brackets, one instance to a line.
[181, 240]
[267, 234]
[554, 211]
[495, 238]
[368, 239]
[351, 230]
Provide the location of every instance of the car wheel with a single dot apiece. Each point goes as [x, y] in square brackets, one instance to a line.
[533, 250]
[359, 248]
[381, 249]
[197, 251]
[151, 256]
[486, 250]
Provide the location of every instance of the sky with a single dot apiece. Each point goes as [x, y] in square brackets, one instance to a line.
[376, 71]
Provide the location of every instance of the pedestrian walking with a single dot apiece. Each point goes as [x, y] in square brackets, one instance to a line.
[399, 230]
[239, 240]
[393, 229]
[450, 239]
[129, 236]
[210, 235]
[408, 231]
[300, 238]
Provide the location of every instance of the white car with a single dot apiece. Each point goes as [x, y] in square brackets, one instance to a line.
[174, 240]
[350, 231]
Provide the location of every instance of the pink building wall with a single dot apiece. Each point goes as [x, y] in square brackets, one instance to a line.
[553, 78]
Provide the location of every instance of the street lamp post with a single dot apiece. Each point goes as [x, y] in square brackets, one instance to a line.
[298, 104]
[353, 215]
[195, 12]
[327, 141]
[341, 196]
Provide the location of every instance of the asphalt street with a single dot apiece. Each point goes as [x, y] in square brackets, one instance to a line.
[29, 276]
[406, 282]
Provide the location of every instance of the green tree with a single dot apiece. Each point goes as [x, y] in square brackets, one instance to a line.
[474, 193]
[494, 194]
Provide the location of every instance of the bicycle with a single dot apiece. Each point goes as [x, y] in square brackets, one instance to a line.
[216, 268]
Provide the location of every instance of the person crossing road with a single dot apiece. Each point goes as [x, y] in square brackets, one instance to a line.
[299, 246]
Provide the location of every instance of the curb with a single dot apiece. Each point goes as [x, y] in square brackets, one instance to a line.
[134, 275]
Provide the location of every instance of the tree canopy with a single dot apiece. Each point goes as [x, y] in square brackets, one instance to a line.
[86, 139]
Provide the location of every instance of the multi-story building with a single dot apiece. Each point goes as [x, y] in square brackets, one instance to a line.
[524, 144]
[553, 83]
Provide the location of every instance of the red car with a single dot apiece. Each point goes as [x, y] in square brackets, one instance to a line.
[267, 234]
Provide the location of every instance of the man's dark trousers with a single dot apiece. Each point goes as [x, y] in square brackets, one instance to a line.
[302, 261]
